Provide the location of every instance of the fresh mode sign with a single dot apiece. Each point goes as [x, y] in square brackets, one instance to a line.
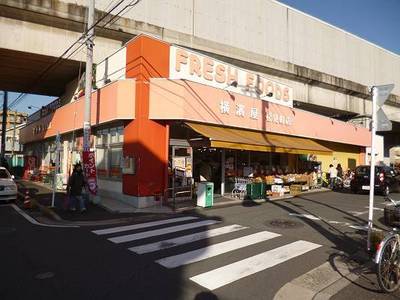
[189, 65]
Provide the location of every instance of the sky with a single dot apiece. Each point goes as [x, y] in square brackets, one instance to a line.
[377, 21]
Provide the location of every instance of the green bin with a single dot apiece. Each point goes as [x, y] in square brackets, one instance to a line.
[205, 194]
[256, 190]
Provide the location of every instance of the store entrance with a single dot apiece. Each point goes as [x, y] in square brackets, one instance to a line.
[207, 167]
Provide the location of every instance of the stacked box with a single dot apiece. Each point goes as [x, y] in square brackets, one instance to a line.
[295, 189]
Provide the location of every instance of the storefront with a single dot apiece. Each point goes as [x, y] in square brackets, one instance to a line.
[175, 112]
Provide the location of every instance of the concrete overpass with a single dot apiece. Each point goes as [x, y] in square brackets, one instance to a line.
[329, 69]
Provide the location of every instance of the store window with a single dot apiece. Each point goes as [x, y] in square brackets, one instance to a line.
[109, 152]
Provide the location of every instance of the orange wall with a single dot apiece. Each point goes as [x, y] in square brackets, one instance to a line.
[146, 140]
[112, 102]
[185, 100]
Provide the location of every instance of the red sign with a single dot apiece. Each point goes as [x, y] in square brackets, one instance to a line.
[89, 166]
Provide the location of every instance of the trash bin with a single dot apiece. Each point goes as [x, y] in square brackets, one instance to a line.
[205, 194]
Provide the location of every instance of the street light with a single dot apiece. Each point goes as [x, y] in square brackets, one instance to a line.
[33, 107]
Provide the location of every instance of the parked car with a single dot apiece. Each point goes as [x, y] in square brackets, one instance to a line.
[8, 188]
[386, 180]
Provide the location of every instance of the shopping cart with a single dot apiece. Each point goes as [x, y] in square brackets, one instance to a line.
[239, 190]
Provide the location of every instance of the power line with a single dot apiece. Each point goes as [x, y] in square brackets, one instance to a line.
[61, 57]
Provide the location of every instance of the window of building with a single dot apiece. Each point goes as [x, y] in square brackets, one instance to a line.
[109, 152]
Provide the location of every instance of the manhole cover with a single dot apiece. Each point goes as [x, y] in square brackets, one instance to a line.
[7, 230]
[45, 275]
[281, 223]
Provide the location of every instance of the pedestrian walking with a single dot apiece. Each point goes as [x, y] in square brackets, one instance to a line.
[76, 183]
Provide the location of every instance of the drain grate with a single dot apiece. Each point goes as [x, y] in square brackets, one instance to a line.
[7, 230]
[282, 223]
[45, 275]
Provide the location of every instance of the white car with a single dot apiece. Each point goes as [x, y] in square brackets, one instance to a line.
[8, 188]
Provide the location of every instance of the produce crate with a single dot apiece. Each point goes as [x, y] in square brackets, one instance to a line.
[295, 189]
[305, 187]
[256, 190]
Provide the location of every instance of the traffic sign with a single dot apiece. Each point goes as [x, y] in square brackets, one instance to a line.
[383, 92]
[383, 123]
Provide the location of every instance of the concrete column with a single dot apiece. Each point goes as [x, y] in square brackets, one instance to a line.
[222, 172]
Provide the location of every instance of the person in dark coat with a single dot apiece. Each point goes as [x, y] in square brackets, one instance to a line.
[339, 171]
[75, 185]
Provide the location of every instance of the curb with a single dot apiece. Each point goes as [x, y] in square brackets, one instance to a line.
[324, 281]
[243, 202]
[45, 211]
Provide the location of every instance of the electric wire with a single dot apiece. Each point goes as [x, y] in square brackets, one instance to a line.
[61, 57]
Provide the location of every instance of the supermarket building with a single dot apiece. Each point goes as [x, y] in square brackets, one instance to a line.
[160, 106]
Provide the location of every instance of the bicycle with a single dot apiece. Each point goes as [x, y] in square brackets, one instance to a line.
[387, 259]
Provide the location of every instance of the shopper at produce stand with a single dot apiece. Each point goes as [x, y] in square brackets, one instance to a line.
[339, 171]
[332, 175]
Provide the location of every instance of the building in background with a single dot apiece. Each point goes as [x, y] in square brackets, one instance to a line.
[14, 149]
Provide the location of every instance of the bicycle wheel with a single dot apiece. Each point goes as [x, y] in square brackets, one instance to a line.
[388, 272]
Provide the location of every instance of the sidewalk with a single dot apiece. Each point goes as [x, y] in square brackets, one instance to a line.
[107, 211]
[113, 210]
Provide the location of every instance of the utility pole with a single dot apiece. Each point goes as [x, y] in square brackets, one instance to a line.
[89, 164]
[88, 76]
[13, 139]
[379, 122]
[372, 168]
[4, 127]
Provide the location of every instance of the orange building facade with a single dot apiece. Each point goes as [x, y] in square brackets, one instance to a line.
[173, 109]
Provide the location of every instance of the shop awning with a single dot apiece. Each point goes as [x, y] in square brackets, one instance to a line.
[231, 138]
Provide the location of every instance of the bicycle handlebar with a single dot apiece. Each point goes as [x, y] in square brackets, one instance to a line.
[395, 202]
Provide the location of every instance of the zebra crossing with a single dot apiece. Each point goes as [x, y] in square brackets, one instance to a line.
[211, 279]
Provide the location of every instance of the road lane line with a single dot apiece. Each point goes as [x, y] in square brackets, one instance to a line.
[165, 244]
[311, 217]
[141, 225]
[162, 231]
[214, 250]
[376, 208]
[227, 274]
[358, 213]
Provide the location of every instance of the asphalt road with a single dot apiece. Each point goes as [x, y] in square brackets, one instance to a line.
[40, 262]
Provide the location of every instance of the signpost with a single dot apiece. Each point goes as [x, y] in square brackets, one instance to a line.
[58, 149]
[379, 122]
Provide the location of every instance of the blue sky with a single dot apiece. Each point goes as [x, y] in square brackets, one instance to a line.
[377, 21]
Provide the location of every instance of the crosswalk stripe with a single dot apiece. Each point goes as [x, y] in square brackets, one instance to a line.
[165, 244]
[141, 225]
[214, 250]
[156, 232]
[240, 269]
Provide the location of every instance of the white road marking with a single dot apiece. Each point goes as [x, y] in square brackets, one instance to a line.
[33, 221]
[156, 232]
[235, 271]
[363, 228]
[311, 217]
[376, 208]
[141, 225]
[358, 213]
[214, 250]
[165, 244]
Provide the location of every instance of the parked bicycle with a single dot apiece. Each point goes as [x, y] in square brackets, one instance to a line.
[387, 258]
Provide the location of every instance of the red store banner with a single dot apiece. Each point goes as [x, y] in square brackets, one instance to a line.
[89, 166]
